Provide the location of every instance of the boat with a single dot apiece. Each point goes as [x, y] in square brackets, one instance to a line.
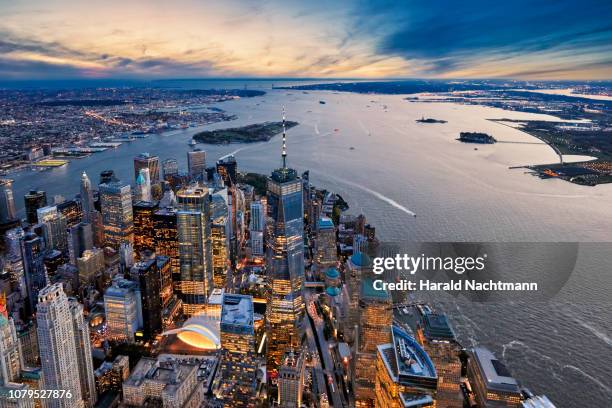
[430, 120]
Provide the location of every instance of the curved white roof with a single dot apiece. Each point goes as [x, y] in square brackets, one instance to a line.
[200, 331]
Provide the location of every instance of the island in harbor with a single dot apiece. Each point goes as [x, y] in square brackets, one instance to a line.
[258, 132]
[476, 137]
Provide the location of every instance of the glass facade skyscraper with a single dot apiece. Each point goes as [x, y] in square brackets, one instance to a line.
[195, 250]
[117, 216]
[33, 255]
[33, 201]
[238, 364]
[285, 258]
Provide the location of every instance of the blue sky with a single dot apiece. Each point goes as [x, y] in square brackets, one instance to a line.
[358, 39]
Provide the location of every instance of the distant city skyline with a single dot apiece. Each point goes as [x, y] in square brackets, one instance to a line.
[65, 39]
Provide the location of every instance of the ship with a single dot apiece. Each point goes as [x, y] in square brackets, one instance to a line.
[430, 120]
[476, 137]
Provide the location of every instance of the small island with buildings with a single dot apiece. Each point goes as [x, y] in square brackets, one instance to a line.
[476, 137]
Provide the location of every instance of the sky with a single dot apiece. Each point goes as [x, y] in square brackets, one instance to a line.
[525, 39]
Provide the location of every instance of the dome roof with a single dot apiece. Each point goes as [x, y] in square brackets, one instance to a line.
[332, 291]
[200, 331]
[360, 259]
[332, 273]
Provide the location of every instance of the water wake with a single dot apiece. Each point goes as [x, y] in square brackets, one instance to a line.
[378, 195]
[590, 377]
[596, 332]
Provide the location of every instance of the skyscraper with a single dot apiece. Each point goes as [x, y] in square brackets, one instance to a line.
[58, 352]
[54, 228]
[491, 381]
[404, 374]
[165, 238]
[227, 168]
[33, 255]
[256, 228]
[71, 210]
[144, 232]
[90, 265]
[7, 201]
[11, 359]
[258, 218]
[14, 260]
[438, 340]
[123, 310]
[291, 380]
[87, 199]
[196, 163]
[33, 201]
[195, 252]
[146, 161]
[285, 258]
[117, 217]
[146, 273]
[238, 365]
[326, 255]
[83, 353]
[143, 186]
[375, 319]
[170, 168]
[80, 239]
[220, 244]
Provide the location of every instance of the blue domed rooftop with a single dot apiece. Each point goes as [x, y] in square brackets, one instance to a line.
[360, 259]
[332, 291]
[332, 273]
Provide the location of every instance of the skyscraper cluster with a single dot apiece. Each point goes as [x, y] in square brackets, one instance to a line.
[196, 289]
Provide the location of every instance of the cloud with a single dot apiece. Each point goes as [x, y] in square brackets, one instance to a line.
[448, 35]
[383, 38]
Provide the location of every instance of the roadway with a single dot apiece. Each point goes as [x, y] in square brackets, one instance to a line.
[335, 394]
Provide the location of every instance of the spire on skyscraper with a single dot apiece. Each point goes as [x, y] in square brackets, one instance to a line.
[284, 142]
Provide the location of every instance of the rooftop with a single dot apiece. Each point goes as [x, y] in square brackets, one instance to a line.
[436, 327]
[368, 291]
[332, 273]
[410, 400]
[332, 291]
[494, 371]
[325, 223]
[407, 362]
[237, 309]
[170, 371]
[284, 175]
[360, 259]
